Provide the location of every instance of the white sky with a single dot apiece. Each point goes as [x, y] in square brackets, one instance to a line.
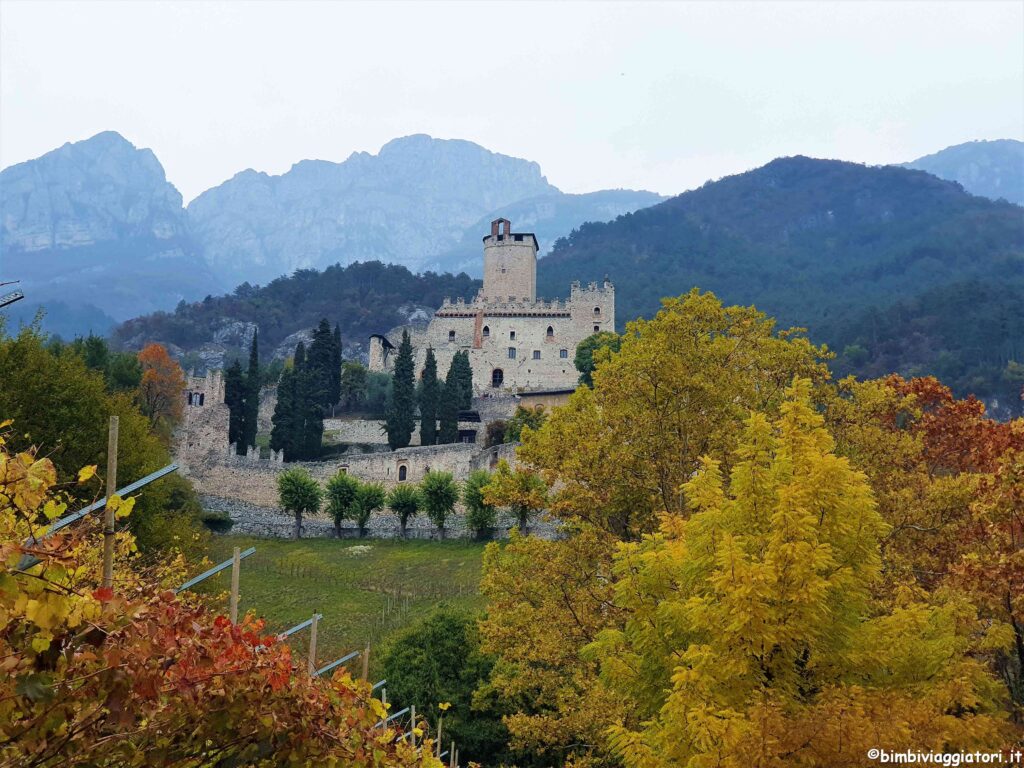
[657, 96]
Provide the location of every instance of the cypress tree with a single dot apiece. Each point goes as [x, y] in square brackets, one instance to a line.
[282, 436]
[429, 396]
[448, 409]
[401, 415]
[320, 362]
[250, 422]
[234, 398]
[335, 388]
[464, 377]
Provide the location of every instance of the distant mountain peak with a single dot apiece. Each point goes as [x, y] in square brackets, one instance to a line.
[992, 168]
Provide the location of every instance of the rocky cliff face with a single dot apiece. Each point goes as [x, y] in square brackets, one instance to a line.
[96, 223]
[404, 205]
[993, 169]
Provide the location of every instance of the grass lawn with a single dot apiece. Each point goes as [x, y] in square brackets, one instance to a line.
[366, 590]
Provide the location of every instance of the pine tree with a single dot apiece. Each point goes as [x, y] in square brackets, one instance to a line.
[335, 388]
[234, 398]
[448, 408]
[429, 400]
[401, 416]
[250, 421]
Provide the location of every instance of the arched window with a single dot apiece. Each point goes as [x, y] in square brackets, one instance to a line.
[497, 377]
[597, 328]
[487, 331]
[451, 335]
[597, 311]
[403, 472]
[551, 332]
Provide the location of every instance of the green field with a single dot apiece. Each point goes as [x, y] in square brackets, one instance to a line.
[365, 589]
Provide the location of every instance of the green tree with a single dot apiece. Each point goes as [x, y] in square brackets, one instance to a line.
[524, 417]
[60, 405]
[234, 398]
[436, 660]
[429, 400]
[464, 376]
[341, 493]
[253, 382]
[124, 372]
[285, 429]
[300, 494]
[404, 501]
[369, 498]
[480, 516]
[401, 417]
[353, 385]
[592, 350]
[334, 391]
[320, 359]
[448, 405]
[439, 493]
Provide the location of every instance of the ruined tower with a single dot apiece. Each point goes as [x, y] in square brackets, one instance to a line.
[510, 264]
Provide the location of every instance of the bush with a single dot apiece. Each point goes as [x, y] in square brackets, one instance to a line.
[439, 660]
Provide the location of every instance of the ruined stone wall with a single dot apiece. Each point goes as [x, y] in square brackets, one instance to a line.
[268, 402]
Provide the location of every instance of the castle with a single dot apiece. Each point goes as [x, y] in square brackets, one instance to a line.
[516, 342]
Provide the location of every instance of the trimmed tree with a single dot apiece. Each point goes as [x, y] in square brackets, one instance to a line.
[440, 493]
[404, 501]
[369, 498]
[430, 395]
[480, 516]
[523, 492]
[401, 416]
[341, 497]
[299, 495]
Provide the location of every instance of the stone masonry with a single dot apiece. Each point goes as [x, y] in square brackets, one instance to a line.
[516, 342]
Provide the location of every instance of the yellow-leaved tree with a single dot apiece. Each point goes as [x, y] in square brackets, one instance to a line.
[753, 637]
[614, 458]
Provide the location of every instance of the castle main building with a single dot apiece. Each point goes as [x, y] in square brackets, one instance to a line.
[516, 342]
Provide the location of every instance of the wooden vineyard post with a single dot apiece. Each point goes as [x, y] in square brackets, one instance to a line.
[312, 646]
[366, 663]
[236, 567]
[412, 709]
[108, 514]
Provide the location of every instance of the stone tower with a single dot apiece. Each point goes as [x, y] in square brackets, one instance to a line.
[510, 264]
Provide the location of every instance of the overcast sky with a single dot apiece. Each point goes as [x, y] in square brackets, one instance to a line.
[657, 96]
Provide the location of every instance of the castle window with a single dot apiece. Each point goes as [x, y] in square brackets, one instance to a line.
[503, 270]
[597, 311]
[497, 377]
[403, 472]
[536, 354]
[511, 353]
[597, 328]
[451, 335]
[487, 331]
[563, 353]
[551, 332]
[512, 335]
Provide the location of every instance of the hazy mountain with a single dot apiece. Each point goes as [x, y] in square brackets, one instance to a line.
[993, 169]
[850, 251]
[404, 205]
[548, 216]
[94, 230]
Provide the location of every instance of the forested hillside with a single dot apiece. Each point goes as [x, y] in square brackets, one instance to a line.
[895, 269]
[362, 298]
